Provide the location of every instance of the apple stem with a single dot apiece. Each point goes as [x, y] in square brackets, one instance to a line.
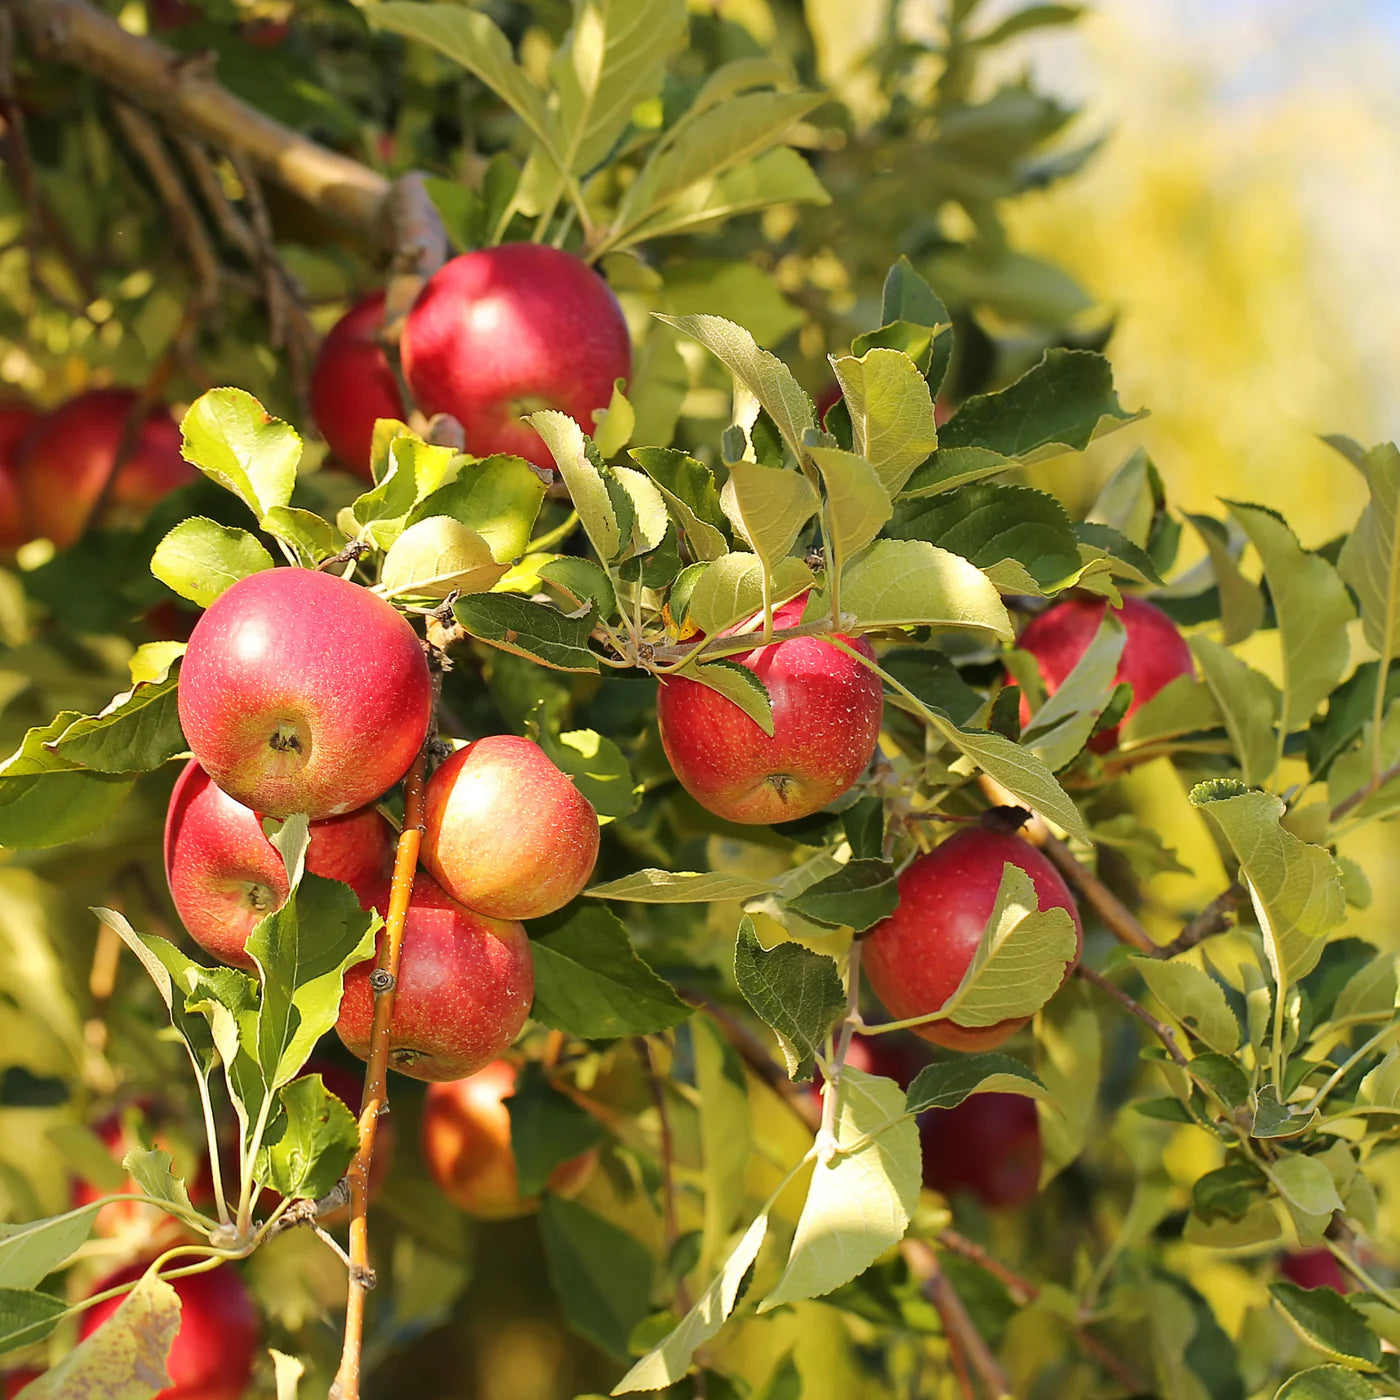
[376, 1096]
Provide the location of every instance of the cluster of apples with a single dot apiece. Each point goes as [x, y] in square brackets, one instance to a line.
[494, 334]
[57, 469]
[302, 692]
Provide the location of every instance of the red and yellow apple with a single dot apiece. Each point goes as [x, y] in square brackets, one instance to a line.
[464, 989]
[826, 721]
[1315, 1268]
[15, 422]
[988, 1146]
[353, 384]
[915, 959]
[225, 875]
[501, 332]
[303, 692]
[505, 832]
[467, 1146]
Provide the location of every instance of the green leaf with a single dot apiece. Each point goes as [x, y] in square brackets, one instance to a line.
[1368, 995]
[317, 1145]
[891, 410]
[1313, 611]
[861, 1198]
[30, 1252]
[857, 504]
[583, 581]
[315, 540]
[498, 497]
[199, 559]
[669, 1360]
[27, 1317]
[738, 684]
[589, 981]
[151, 1171]
[1328, 1323]
[730, 590]
[1063, 402]
[528, 629]
[1020, 960]
[1194, 998]
[1061, 727]
[1241, 600]
[437, 556]
[681, 887]
[857, 896]
[1296, 887]
[1069, 1059]
[1305, 1183]
[739, 291]
[797, 993]
[765, 376]
[613, 57]
[1021, 537]
[587, 487]
[947, 1084]
[234, 441]
[950, 467]
[726, 1134]
[415, 470]
[46, 800]
[1353, 772]
[126, 1358]
[1248, 701]
[1370, 558]
[152, 661]
[615, 424]
[302, 951]
[136, 732]
[768, 506]
[597, 768]
[1032, 17]
[1182, 706]
[1328, 1383]
[911, 583]
[600, 1273]
[547, 1129]
[1273, 1119]
[688, 488]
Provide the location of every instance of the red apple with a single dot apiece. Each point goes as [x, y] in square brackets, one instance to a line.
[225, 875]
[217, 1341]
[352, 384]
[464, 989]
[1154, 653]
[14, 1381]
[467, 1147]
[505, 832]
[989, 1146]
[1315, 1268]
[500, 332]
[15, 422]
[826, 721]
[915, 959]
[303, 692]
[69, 454]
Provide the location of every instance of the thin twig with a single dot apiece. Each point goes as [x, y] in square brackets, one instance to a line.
[376, 1097]
[1348, 804]
[1216, 917]
[957, 1324]
[1160, 1029]
[668, 1165]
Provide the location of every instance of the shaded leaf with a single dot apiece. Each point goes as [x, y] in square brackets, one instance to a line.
[857, 896]
[1194, 998]
[947, 1084]
[528, 629]
[139, 730]
[1327, 1322]
[318, 1142]
[1249, 703]
[547, 1129]
[680, 887]
[891, 410]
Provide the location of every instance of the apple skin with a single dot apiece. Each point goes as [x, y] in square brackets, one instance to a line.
[989, 1146]
[467, 1147]
[500, 332]
[12, 1382]
[1315, 1268]
[67, 457]
[225, 875]
[15, 422]
[217, 1340]
[303, 692]
[915, 959]
[505, 832]
[1154, 653]
[826, 722]
[464, 989]
[352, 384]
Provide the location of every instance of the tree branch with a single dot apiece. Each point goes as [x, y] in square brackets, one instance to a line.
[1160, 1029]
[1215, 918]
[959, 1327]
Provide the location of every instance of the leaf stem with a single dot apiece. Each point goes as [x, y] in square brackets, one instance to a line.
[1357, 1271]
[550, 538]
[1349, 1063]
[375, 1101]
[245, 1185]
[212, 1137]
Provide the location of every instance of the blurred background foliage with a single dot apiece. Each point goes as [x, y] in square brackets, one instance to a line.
[1207, 187]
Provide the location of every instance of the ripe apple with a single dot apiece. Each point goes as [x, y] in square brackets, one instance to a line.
[225, 875]
[14, 1381]
[467, 1147]
[464, 989]
[826, 721]
[303, 692]
[501, 332]
[505, 832]
[352, 384]
[69, 454]
[217, 1340]
[915, 959]
[1315, 1268]
[15, 422]
[1154, 653]
[989, 1146]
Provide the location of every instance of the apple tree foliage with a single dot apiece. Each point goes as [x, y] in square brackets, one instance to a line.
[770, 178]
